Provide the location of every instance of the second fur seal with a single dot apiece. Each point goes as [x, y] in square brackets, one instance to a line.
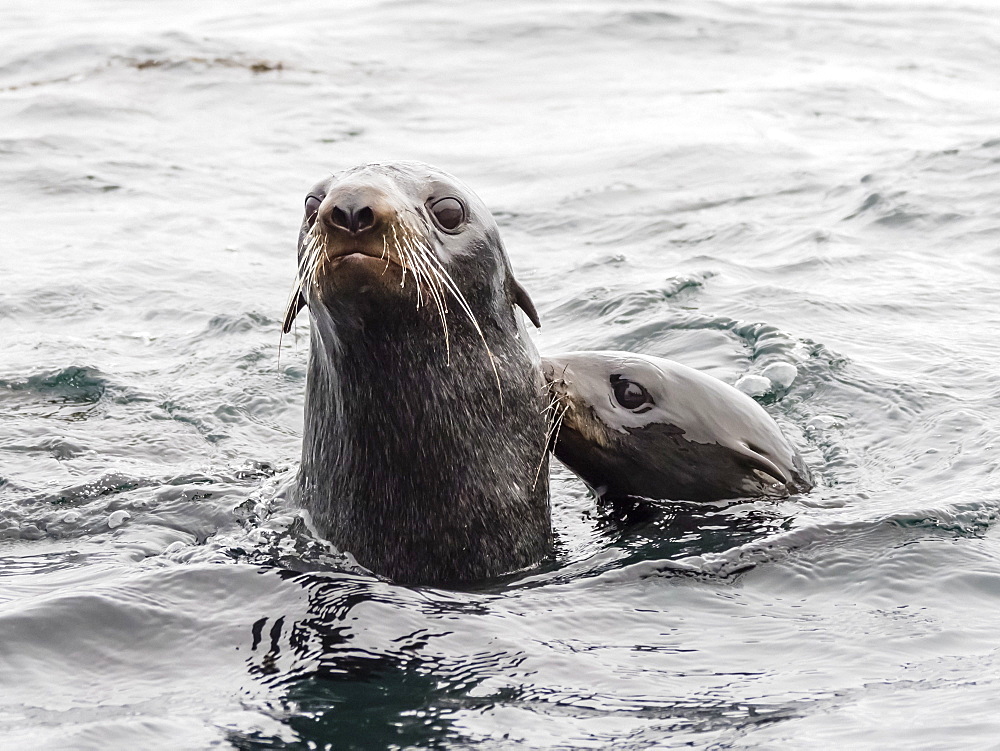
[641, 426]
[424, 448]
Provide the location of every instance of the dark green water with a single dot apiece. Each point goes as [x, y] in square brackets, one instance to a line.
[726, 184]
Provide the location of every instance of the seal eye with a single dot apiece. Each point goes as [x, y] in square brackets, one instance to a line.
[448, 212]
[631, 395]
[312, 208]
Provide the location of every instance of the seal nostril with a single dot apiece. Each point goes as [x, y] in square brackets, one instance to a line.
[364, 219]
[355, 221]
[339, 218]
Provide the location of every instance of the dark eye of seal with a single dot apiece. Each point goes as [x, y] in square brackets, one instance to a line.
[448, 212]
[631, 395]
[312, 208]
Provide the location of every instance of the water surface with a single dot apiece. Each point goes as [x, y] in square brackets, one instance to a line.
[727, 184]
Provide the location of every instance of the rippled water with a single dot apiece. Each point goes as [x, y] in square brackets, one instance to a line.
[727, 184]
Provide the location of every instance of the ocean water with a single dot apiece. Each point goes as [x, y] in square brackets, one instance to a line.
[729, 184]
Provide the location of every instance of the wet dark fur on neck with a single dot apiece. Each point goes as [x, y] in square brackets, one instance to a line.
[413, 464]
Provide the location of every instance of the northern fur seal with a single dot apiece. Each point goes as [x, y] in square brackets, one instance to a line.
[643, 426]
[424, 447]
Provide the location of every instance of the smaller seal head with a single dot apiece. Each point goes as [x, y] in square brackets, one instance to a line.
[634, 425]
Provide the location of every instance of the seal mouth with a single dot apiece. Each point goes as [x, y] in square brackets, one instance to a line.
[325, 248]
[361, 254]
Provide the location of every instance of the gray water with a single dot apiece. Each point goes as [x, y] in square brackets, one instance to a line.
[726, 184]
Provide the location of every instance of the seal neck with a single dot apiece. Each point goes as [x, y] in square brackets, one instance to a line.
[412, 461]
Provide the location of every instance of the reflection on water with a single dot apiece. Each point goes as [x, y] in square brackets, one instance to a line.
[675, 530]
[726, 184]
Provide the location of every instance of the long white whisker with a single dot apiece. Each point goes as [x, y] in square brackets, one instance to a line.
[450, 285]
[418, 252]
[440, 274]
[417, 267]
[551, 434]
[424, 274]
[304, 272]
[402, 258]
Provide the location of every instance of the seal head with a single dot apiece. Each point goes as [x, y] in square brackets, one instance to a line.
[424, 448]
[634, 425]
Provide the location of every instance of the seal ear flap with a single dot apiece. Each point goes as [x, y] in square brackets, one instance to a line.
[294, 306]
[522, 301]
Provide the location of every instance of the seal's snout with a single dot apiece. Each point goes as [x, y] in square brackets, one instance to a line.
[353, 211]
